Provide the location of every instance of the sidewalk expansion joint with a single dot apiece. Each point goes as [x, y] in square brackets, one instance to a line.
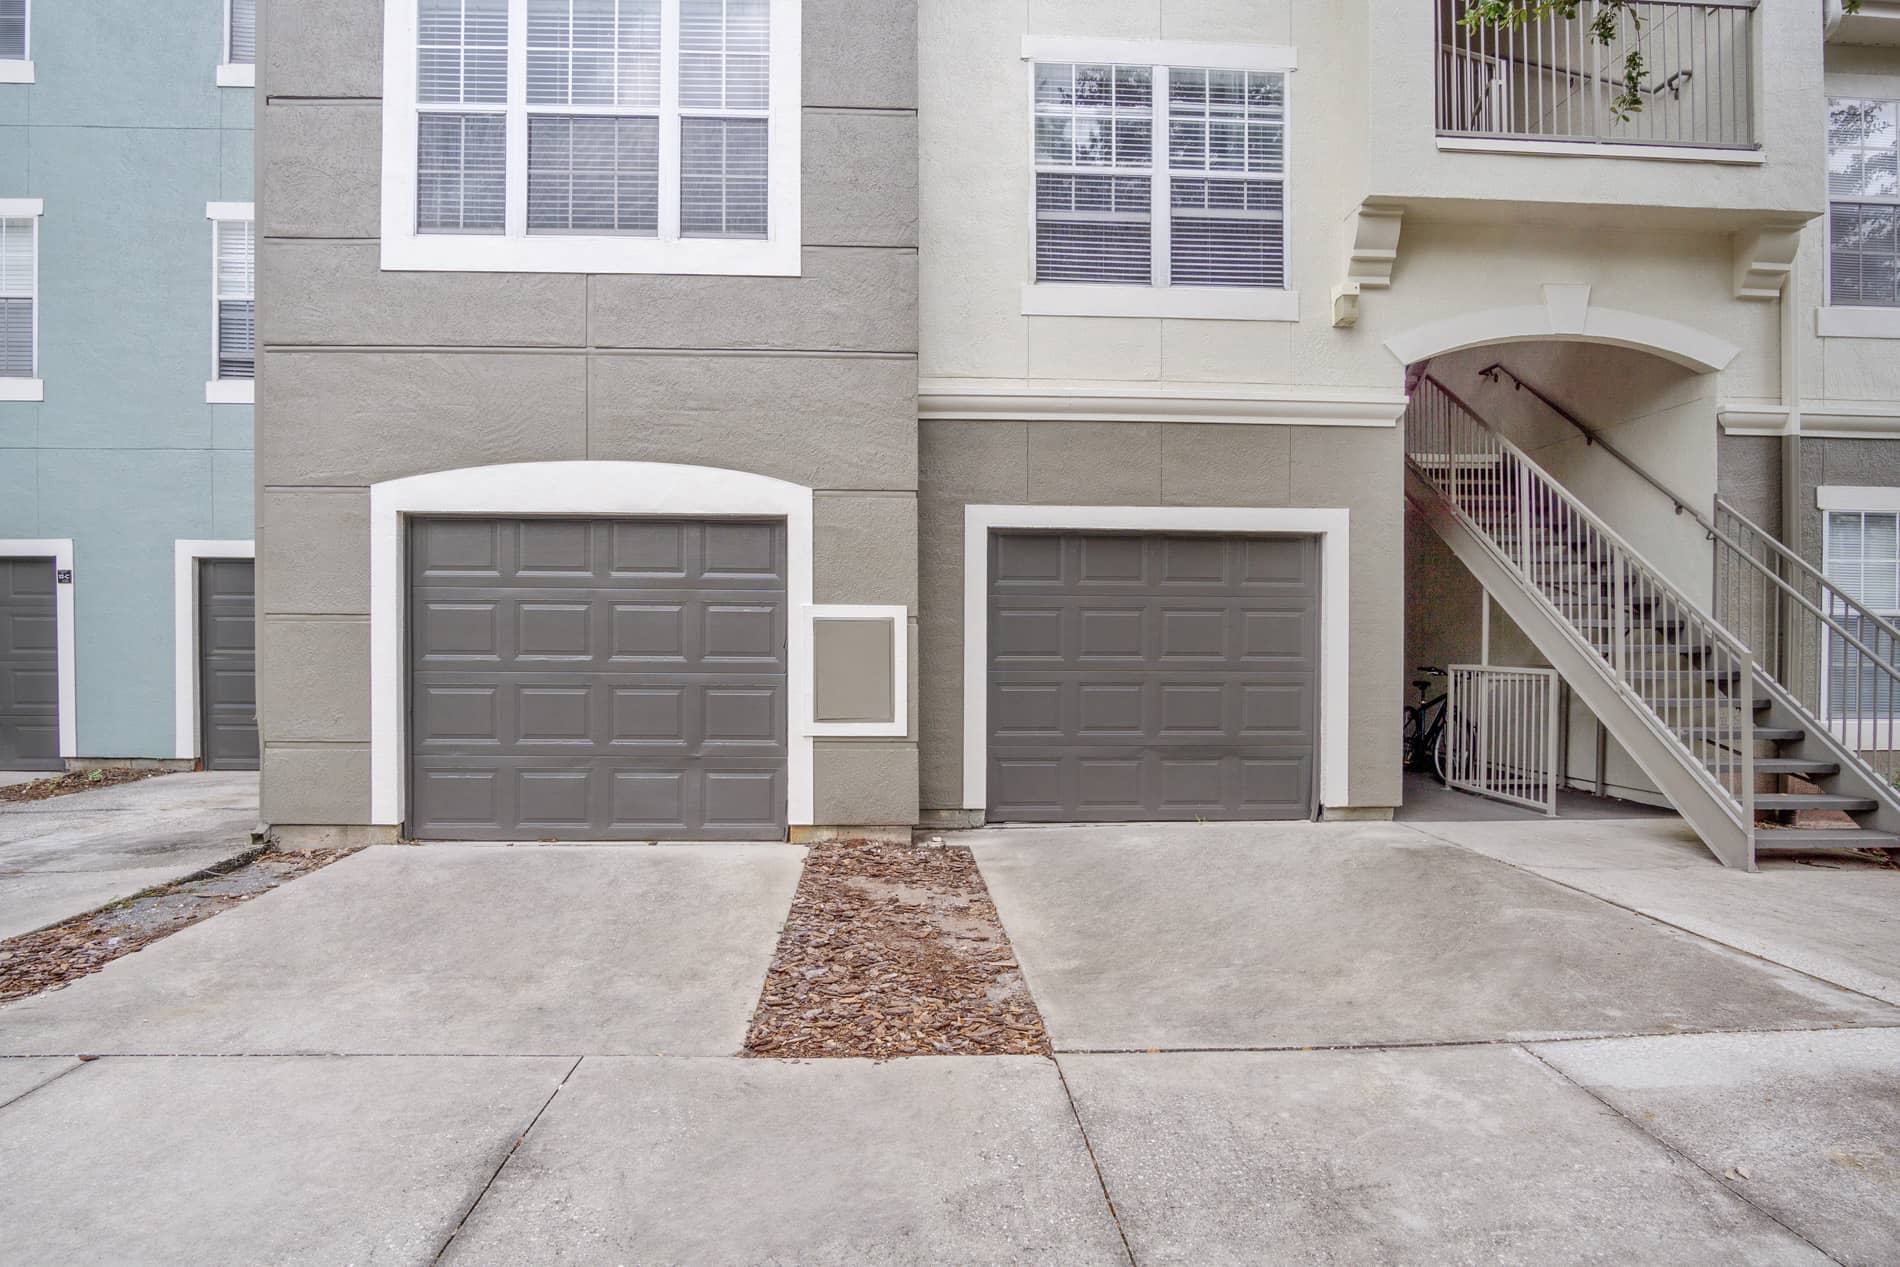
[503, 1163]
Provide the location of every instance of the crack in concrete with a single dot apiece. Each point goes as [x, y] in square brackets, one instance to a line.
[505, 1159]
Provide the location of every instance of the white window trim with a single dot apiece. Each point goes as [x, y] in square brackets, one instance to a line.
[1864, 734]
[185, 685]
[574, 489]
[19, 70]
[898, 617]
[1843, 322]
[32, 388]
[233, 74]
[1333, 527]
[60, 551]
[1202, 303]
[227, 391]
[403, 249]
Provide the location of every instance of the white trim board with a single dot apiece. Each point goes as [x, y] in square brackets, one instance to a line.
[1186, 53]
[1601, 149]
[60, 551]
[898, 617]
[185, 557]
[1058, 400]
[1566, 315]
[1842, 322]
[1333, 527]
[574, 490]
[1855, 498]
[1183, 303]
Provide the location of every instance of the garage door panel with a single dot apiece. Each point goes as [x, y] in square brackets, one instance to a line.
[1152, 676]
[634, 661]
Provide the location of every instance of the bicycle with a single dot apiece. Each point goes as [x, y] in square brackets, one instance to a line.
[1424, 733]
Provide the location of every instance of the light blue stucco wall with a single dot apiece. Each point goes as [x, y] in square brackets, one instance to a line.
[126, 136]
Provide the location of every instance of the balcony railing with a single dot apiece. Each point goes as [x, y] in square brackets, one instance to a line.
[1554, 81]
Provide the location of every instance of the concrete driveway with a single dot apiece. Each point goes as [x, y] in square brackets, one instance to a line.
[72, 854]
[476, 1054]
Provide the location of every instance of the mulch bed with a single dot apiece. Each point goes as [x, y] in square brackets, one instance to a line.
[55, 957]
[894, 951]
[77, 781]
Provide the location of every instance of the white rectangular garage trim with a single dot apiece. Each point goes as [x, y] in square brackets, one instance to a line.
[185, 556]
[1331, 526]
[60, 551]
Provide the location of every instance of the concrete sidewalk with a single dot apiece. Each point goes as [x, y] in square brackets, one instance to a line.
[447, 1054]
[72, 854]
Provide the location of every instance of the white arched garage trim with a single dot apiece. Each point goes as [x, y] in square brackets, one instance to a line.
[575, 489]
[1565, 315]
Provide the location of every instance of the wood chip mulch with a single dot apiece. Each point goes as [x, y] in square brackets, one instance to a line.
[77, 781]
[894, 951]
[56, 957]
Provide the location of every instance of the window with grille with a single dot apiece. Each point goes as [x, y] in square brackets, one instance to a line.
[668, 126]
[1862, 558]
[19, 296]
[234, 266]
[240, 39]
[1863, 189]
[1160, 176]
[13, 21]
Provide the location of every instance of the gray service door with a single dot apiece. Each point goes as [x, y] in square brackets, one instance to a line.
[597, 680]
[227, 663]
[29, 665]
[1150, 678]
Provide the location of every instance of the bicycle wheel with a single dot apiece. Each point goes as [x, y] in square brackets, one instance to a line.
[1439, 751]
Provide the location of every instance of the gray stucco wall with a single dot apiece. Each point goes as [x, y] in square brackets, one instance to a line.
[367, 376]
[1168, 464]
[1844, 462]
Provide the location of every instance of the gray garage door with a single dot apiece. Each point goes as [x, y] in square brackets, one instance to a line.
[29, 666]
[1151, 678]
[597, 680]
[227, 668]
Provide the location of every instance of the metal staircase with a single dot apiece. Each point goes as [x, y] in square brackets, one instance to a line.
[1683, 694]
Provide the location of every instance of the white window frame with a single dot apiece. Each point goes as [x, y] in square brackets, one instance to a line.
[1870, 734]
[1852, 321]
[32, 388]
[19, 70]
[1213, 303]
[516, 250]
[232, 74]
[226, 391]
[186, 555]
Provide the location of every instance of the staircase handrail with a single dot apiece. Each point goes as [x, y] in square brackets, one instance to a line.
[1834, 595]
[1634, 558]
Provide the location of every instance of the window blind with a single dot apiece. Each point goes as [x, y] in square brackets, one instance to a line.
[723, 177]
[19, 292]
[594, 53]
[593, 174]
[461, 173]
[462, 52]
[234, 247]
[1863, 558]
[243, 47]
[1863, 183]
[1222, 205]
[12, 30]
[723, 54]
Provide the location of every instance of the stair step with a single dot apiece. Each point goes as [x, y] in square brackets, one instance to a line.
[1669, 675]
[1706, 701]
[1815, 800]
[1782, 765]
[1767, 734]
[1824, 838]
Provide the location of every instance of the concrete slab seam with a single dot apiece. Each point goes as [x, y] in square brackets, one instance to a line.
[503, 1164]
[1664, 1144]
[1657, 919]
[41, 1086]
[1088, 1146]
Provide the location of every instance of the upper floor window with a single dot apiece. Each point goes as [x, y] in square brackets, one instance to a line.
[1167, 178]
[233, 302]
[592, 135]
[239, 69]
[19, 298]
[16, 48]
[1863, 189]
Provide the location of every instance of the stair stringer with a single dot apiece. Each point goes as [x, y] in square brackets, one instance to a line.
[1714, 814]
[1819, 743]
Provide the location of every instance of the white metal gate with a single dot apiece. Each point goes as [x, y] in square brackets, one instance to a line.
[1501, 734]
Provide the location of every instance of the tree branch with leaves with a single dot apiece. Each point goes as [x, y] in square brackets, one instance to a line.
[1609, 22]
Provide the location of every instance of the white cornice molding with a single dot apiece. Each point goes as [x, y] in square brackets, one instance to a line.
[1018, 400]
[1837, 422]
